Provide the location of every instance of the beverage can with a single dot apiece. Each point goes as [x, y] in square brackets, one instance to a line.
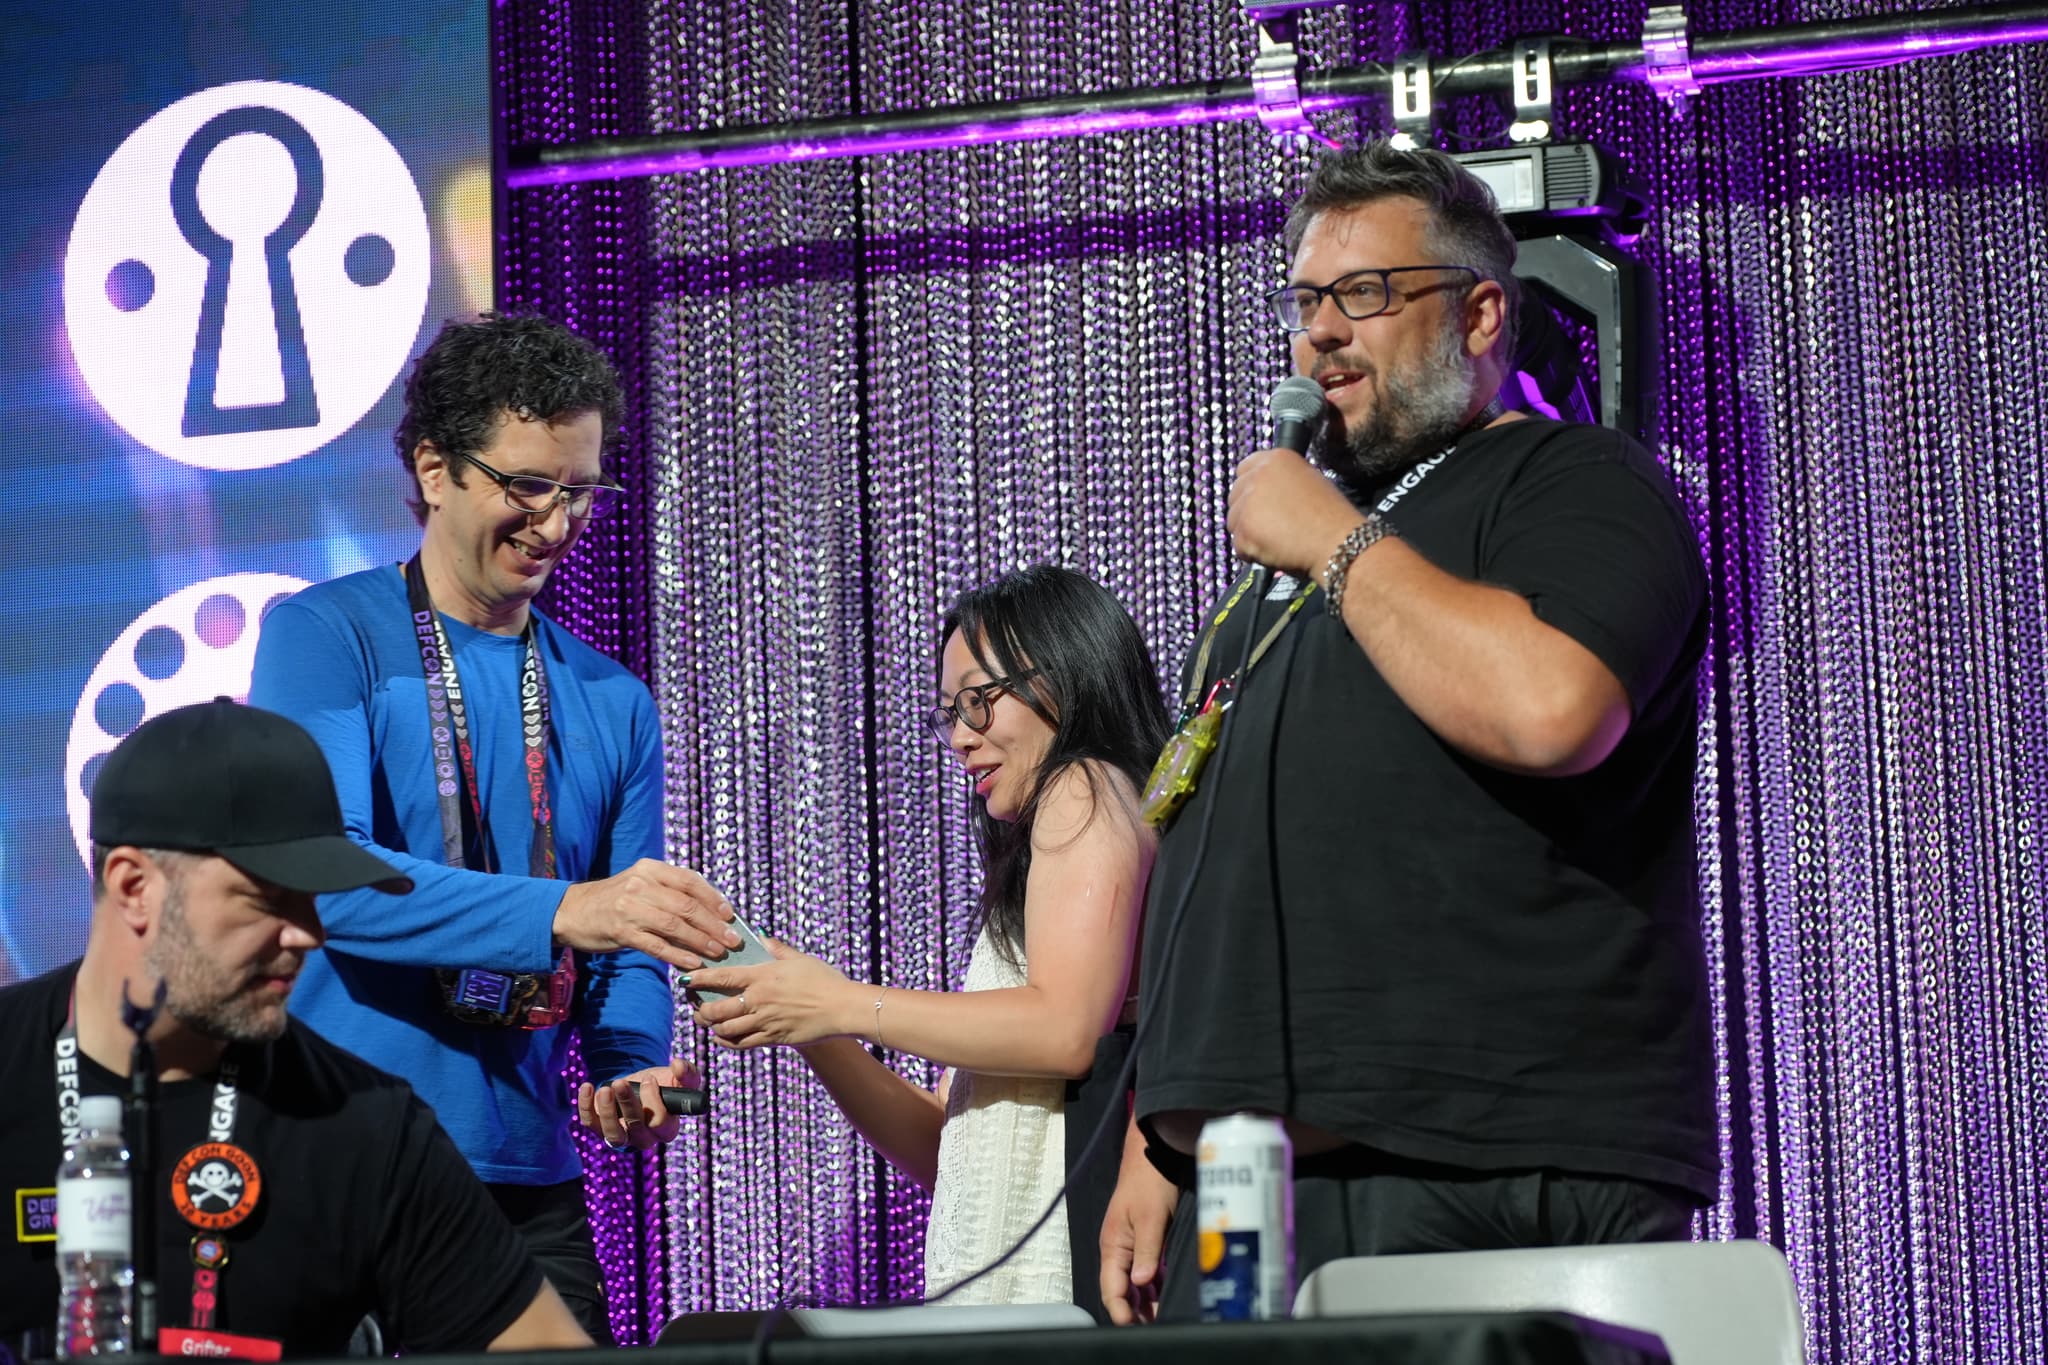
[1244, 1197]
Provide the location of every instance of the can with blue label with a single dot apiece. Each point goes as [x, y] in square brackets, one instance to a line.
[1244, 1198]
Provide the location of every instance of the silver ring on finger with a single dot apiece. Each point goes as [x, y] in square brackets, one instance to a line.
[743, 1003]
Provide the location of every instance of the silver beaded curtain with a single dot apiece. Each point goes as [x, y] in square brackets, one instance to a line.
[858, 387]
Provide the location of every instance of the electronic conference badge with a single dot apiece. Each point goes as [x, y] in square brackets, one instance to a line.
[216, 1186]
[209, 1254]
[208, 1251]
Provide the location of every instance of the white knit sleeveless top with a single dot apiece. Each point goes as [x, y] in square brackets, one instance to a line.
[1002, 1157]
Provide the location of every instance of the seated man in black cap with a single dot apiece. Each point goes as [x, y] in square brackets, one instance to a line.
[298, 1188]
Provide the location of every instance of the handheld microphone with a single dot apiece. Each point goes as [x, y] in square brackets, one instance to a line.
[685, 1102]
[1297, 407]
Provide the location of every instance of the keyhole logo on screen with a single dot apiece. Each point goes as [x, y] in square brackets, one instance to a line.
[244, 212]
[247, 275]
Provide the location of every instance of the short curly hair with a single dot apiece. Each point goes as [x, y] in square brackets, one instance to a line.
[475, 373]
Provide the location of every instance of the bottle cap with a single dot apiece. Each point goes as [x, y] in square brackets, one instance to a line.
[100, 1111]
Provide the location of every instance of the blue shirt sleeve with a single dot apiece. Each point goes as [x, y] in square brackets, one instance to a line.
[627, 1011]
[311, 670]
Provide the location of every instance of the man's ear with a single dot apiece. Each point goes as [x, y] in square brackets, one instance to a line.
[127, 875]
[1486, 311]
[431, 467]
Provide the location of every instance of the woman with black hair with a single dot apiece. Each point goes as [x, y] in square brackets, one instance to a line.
[1050, 700]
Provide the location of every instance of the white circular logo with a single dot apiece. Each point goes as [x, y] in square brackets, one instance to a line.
[197, 644]
[247, 275]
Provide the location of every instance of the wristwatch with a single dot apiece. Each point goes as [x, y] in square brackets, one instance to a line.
[1363, 537]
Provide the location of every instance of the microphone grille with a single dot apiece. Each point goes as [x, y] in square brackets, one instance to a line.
[1299, 399]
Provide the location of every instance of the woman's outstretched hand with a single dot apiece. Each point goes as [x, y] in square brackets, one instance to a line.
[795, 999]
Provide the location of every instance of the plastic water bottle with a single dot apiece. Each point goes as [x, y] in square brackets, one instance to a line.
[95, 1257]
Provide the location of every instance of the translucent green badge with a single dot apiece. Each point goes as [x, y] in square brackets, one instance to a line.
[1179, 769]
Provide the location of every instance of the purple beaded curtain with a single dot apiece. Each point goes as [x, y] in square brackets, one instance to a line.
[583, 257]
[860, 386]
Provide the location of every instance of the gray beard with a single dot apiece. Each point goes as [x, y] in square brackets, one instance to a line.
[1417, 414]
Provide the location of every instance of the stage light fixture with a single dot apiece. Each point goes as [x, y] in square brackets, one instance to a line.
[1561, 180]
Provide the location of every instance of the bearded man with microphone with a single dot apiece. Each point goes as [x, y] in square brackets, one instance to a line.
[1433, 901]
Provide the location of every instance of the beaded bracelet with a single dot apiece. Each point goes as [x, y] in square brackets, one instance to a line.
[1362, 537]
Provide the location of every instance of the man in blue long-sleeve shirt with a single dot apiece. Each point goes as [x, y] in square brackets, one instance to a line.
[515, 775]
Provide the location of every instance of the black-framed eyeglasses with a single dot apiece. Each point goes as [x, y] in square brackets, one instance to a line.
[535, 496]
[1360, 295]
[973, 707]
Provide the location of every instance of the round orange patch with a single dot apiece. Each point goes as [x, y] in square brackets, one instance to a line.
[215, 1186]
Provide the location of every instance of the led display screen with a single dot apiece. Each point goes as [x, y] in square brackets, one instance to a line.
[227, 227]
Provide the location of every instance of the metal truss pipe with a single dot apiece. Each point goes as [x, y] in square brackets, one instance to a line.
[1748, 54]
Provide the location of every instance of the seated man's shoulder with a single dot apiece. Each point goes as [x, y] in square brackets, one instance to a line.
[32, 1010]
[23, 999]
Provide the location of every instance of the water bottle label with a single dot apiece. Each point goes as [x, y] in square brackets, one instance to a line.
[93, 1218]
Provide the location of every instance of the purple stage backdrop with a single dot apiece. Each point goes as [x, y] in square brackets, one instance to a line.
[861, 385]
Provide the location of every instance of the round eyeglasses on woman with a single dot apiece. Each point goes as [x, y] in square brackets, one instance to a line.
[1360, 295]
[535, 496]
[973, 707]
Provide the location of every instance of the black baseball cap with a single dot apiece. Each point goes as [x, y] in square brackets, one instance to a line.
[241, 782]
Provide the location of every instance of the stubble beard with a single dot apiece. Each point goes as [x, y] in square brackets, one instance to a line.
[1417, 413]
[199, 993]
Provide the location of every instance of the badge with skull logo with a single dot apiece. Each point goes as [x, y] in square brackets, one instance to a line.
[215, 1186]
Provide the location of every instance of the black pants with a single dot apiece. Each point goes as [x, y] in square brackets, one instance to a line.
[555, 1225]
[1098, 1105]
[1355, 1203]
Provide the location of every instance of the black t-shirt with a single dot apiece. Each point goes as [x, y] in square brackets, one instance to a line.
[365, 1205]
[1427, 955]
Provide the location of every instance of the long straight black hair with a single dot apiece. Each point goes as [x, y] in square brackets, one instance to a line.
[1092, 681]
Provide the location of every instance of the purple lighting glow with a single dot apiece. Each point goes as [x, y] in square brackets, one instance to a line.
[859, 386]
[1788, 51]
[830, 139]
